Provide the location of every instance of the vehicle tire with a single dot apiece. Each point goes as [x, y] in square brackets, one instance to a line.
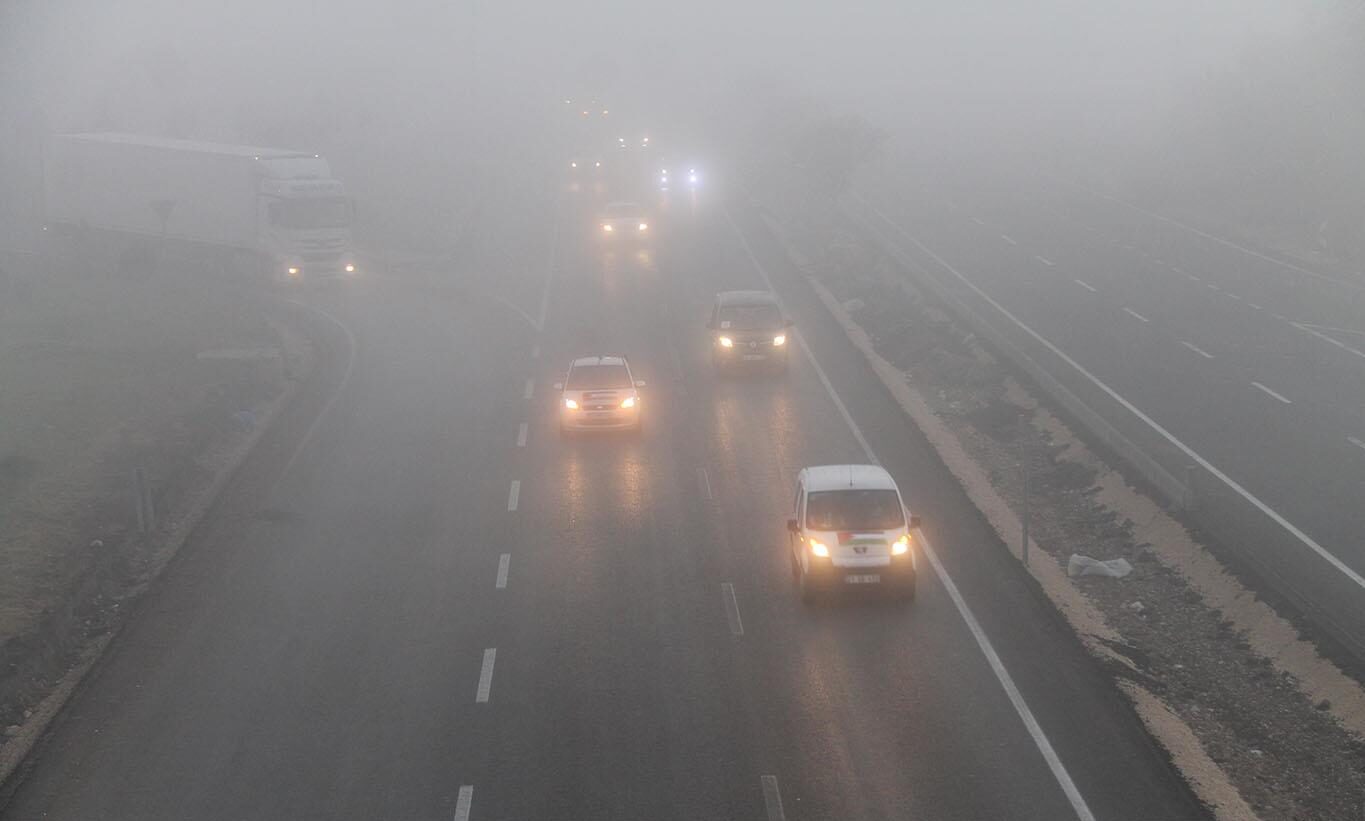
[807, 589]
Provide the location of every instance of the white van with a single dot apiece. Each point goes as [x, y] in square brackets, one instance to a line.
[850, 530]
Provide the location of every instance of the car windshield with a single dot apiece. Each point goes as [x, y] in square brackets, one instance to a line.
[597, 377]
[854, 509]
[623, 211]
[750, 317]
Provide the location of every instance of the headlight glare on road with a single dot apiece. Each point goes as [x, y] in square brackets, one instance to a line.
[727, 342]
[901, 546]
[628, 402]
[817, 548]
[780, 340]
[571, 404]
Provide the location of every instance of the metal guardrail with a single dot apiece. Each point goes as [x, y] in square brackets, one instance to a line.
[1288, 561]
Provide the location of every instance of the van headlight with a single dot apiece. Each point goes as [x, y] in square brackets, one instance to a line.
[726, 342]
[901, 546]
[628, 402]
[780, 340]
[818, 548]
[571, 404]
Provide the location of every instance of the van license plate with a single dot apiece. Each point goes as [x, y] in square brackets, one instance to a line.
[864, 578]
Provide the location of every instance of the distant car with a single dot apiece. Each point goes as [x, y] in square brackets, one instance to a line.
[624, 219]
[748, 327]
[850, 530]
[599, 393]
[678, 177]
[585, 165]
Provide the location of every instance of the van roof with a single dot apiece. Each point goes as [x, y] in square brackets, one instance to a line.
[589, 361]
[843, 477]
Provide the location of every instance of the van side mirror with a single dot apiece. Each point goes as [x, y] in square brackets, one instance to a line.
[914, 522]
[792, 526]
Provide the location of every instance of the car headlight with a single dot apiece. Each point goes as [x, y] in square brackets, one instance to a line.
[606, 226]
[780, 340]
[573, 165]
[628, 402]
[726, 342]
[571, 404]
[293, 270]
[817, 548]
[350, 267]
[901, 545]
[644, 226]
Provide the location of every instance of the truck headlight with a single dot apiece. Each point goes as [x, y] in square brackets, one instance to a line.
[780, 340]
[817, 548]
[901, 546]
[350, 267]
[571, 404]
[293, 270]
[644, 226]
[628, 402]
[726, 342]
[607, 227]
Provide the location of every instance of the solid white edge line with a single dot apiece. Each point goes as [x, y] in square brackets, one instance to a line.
[704, 482]
[1197, 350]
[530, 389]
[1136, 315]
[1087, 286]
[1016, 698]
[1308, 541]
[800, 340]
[490, 657]
[772, 798]
[727, 591]
[464, 802]
[513, 495]
[978, 221]
[522, 432]
[504, 564]
[1273, 393]
[1357, 442]
[1329, 340]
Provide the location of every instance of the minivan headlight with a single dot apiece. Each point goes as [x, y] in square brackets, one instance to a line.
[901, 545]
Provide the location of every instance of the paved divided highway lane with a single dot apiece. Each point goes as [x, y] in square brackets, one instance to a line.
[447, 611]
[1255, 364]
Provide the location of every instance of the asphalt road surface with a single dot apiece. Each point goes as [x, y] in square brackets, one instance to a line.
[437, 608]
[1257, 364]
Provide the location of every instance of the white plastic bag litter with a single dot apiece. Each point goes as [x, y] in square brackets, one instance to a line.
[1080, 565]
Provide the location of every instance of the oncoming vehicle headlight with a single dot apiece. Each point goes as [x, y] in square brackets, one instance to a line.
[780, 340]
[726, 342]
[644, 226]
[606, 226]
[628, 402]
[901, 545]
[571, 404]
[350, 267]
[817, 548]
[293, 270]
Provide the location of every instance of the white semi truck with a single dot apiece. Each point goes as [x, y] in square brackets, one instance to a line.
[251, 210]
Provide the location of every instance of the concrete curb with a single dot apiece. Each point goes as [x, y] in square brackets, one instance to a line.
[18, 747]
[1208, 781]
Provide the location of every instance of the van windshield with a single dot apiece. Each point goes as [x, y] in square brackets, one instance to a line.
[854, 509]
[760, 317]
[598, 377]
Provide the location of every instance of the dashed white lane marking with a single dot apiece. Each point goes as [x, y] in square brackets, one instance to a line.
[1087, 286]
[1358, 443]
[978, 221]
[704, 483]
[1256, 307]
[464, 802]
[504, 564]
[535, 352]
[1212, 287]
[1127, 247]
[772, 799]
[513, 494]
[1049, 263]
[1272, 393]
[530, 389]
[1177, 269]
[1231, 295]
[1194, 278]
[1021, 708]
[1197, 350]
[486, 675]
[1158, 262]
[1008, 239]
[1308, 541]
[1136, 315]
[1325, 338]
[522, 432]
[732, 609]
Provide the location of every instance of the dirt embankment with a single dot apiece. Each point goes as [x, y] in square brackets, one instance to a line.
[1259, 723]
[106, 377]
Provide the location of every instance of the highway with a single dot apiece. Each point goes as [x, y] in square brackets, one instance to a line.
[1257, 364]
[427, 605]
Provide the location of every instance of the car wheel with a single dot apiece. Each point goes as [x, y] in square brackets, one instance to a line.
[807, 588]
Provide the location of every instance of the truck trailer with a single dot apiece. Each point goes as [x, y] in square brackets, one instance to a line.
[255, 211]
